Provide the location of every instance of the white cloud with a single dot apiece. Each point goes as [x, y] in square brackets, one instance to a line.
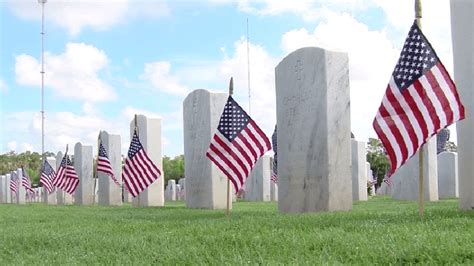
[3, 86]
[129, 113]
[371, 60]
[72, 74]
[11, 146]
[159, 76]
[76, 15]
[262, 81]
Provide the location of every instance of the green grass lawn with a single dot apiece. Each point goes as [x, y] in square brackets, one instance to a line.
[379, 231]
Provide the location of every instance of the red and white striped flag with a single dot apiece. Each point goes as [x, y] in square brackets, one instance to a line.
[14, 182]
[47, 177]
[26, 181]
[420, 100]
[139, 171]
[66, 178]
[103, 163]
[237, 145]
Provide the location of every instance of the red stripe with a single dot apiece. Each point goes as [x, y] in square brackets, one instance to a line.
[388, 146]
[395, 132]
[429, 106]
[254, 140]
[452, 87]
[232, 154]
[441, 97]
[216, 162]
[416, 112]
[402, 115]
[250, 148]
[243, 153]
[226, 162]
[137, 174]
[262, 136]
[127, 177]
[147, 176]
[130, 187]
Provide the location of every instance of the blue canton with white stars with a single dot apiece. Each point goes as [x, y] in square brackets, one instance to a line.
[102, 151]
[233, 120]
[135, 146]
[416, 58]
[65, 161]
[47, 169]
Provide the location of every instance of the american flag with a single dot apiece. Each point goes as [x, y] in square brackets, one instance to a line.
[274, 176]
[103, 163]
[26, 181]
[66, 178]
[420, 100]
[47, 177]
[237, 145]
[14, 182]
[139, 171]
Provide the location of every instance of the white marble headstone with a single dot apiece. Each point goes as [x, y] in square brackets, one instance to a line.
[182, 183]
[3, 191]
[462, 28]
[370, 178]
[405, 181]
[171, 189]
[206, 185]
[7, 185]
[109, 193]
[21, 199]
[257, 186]
[149, 133]
[83, 165]
[313, 118]
[448, 175]
[359, 170]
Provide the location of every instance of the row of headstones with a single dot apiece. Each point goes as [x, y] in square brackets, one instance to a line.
[441, 177]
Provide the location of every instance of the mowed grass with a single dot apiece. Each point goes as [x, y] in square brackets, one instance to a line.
[382, 231]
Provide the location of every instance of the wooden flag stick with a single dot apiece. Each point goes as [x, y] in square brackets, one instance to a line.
[231, 91]
[421, 191]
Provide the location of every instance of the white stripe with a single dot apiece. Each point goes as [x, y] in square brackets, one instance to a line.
[229, 158]
[436, 103]
[391, 138]
[453, 104]
[404, 105]
[423, 109]
[399, 124]
[253, 145]
[259, 138]
[223, 164]
[137, 174]
[132, 177]
[246, 150]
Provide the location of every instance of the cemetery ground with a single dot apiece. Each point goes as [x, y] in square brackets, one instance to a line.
[380, 230]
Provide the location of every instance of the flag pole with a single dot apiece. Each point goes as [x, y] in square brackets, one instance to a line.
[136, 130]
[248, 66]
[231, 91]
[421, 191]
[96, 167]
[42, 2]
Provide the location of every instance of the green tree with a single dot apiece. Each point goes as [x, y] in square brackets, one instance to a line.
[31, 161]
[378, 159]
[173, 168]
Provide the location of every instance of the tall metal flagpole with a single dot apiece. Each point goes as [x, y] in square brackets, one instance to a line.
[248, 65]
[421, 191]
[42, 2]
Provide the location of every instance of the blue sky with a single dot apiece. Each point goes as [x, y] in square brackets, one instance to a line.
[107, 60]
